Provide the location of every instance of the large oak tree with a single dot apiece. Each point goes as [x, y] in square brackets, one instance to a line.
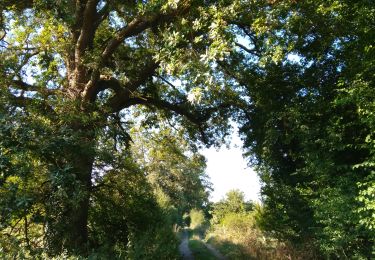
[68, 68]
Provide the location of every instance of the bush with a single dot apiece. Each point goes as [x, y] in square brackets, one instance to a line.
[196, 218]
[198, 223]
[237, 236]
[156, 243]
[238, 222]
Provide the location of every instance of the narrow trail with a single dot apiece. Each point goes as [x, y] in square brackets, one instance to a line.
[184, 247]
[187, 254]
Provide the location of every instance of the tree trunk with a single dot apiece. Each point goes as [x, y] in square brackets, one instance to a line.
[69, 203]
[76, 233]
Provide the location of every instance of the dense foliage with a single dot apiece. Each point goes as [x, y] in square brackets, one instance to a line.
[308, 121]
[104, 103]
[233, 204]
[236, 233]
[174, 168]
[75, 77]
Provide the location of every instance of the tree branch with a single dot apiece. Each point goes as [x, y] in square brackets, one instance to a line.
[120, 100]
[196, 117]
[21, 85]
[252, 36]
[79, 9]
[141, 23]
[183, 109]
[122, 91]
[167, 82]
[87, 30]
[18, 5]
[21, 101]
[250, 51]
[135, 27]
[102, 14]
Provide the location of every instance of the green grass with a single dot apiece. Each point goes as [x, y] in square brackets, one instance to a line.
[200, 251]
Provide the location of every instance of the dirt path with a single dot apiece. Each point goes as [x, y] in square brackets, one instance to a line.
[214, 251]
[184, 247]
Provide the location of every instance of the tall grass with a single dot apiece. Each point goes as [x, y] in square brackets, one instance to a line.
[237, 237]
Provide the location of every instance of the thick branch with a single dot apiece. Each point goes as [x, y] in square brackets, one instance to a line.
[21, 85]
[79, 9]
[135, 27]
[120, 100]
[141, 23]
[250, 51]
[87, 30]
[108, 83]
[183, 109]
[21, 101]
[122, 91]
[102, 15]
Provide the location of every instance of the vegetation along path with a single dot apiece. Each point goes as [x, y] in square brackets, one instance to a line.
[104, 106]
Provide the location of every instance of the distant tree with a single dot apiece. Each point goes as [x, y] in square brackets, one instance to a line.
[173, 166]
[197, 219]
[233, 203]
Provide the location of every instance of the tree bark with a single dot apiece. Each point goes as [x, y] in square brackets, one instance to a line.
[70, 192]
[76, 230]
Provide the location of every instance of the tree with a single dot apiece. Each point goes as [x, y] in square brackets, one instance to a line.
[296, 75]
[68, 69]
[172, 165]
[306, 131]
[233, 204]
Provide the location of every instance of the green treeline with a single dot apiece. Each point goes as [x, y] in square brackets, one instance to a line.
[309, 125]
[104, 105]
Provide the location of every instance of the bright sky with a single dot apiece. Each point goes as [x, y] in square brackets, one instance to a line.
[228, 170]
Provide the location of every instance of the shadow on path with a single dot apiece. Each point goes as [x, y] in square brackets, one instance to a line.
[214, 251]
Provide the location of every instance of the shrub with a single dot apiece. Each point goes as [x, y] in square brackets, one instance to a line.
[156, 243]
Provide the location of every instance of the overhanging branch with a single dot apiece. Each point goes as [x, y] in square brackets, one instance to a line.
[136, 26]
[183, 109]
[244, 48]
[88, 27]
[193, 115]
[21, 85]
[141, 23]
[25, 102]
[123, 91]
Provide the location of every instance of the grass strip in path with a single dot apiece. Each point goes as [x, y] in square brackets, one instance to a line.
[200, 251]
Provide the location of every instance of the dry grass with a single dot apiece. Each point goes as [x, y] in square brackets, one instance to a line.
[251, 243]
